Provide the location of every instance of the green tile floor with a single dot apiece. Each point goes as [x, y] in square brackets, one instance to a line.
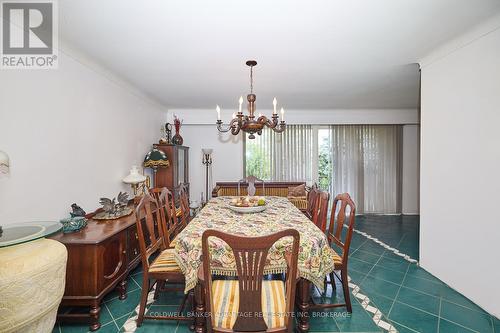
[410, 298]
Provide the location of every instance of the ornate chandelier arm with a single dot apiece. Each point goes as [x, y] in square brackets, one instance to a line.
[268, 122]
[235, 126]
[223, 128]
[280, 128]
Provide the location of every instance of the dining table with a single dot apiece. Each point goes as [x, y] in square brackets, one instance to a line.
[315, 258]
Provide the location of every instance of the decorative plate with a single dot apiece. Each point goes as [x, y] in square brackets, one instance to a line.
[106, 216]
[246, 210]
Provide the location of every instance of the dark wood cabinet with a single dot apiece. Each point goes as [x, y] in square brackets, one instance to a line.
[177, 173]
[100, 257]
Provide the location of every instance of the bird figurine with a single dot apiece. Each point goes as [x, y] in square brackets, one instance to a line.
[122, 200]
[108, 205]
[115, 207]
[77, 211]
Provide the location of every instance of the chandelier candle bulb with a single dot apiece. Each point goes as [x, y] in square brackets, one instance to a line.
[234, 115]
[282, 114]
[241, 103]
[274, 105]
[218, 112]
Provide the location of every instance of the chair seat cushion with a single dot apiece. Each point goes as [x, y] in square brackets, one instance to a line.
[226, 296]
[337, 260]
[165, 262]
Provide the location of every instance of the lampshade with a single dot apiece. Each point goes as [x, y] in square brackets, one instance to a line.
[4, 163]
[207, 151]
[134, 177]
[156, 159]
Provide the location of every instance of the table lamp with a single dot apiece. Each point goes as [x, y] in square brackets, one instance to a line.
[134, 178]
[155, 159]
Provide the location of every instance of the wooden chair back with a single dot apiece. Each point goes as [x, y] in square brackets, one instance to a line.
[169, 221]
[311, 200]
[184, 205]
[149, 229]
[251, 180]
[250, 254]
[337, 221]
[320, 212]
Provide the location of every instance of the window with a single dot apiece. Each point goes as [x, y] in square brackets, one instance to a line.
[363, 160]
[286, 156]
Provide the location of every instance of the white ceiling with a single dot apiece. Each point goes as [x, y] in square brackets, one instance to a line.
[311, 54]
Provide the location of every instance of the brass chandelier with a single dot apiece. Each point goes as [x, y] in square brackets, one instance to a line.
[248, 123]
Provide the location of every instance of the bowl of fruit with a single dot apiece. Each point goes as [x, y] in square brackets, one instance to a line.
[248, 204]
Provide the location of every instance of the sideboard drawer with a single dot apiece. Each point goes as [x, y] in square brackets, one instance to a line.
[133, 249]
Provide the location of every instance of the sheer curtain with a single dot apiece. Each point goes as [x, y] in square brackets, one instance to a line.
[283, 156]
[366, 163]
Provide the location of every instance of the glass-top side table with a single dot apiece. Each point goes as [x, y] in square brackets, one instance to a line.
[17, 233]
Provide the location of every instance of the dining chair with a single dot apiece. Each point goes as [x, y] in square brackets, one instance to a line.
[320, 212]
[311, 201]
[266, 305]
[341, 244]
[251, 189]
[183, 213]
[170, 223]
[151, 240]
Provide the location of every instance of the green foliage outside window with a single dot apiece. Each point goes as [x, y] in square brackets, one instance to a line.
[324, 164]
[257, 164]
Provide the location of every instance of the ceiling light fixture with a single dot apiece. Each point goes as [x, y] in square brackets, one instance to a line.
[248, 123]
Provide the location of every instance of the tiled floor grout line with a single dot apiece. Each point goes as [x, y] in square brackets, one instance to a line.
[386, 246]
[467, 328]
[371, 268]
[399, 289]
[408, 328]
[391, 269]
[377, 314]
[350, 254]
[136, 283]
[131, 321]
[112, 317]
[439, 313]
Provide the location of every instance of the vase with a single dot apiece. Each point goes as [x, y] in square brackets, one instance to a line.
[177, 138]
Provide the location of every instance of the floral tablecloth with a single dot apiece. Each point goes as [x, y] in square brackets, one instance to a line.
[315, 255]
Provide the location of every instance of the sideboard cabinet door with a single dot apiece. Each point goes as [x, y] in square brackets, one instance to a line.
[114, 259]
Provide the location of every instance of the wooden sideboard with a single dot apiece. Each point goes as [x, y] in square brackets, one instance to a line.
[100, 257]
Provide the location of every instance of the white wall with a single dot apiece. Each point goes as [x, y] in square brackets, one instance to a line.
[227, 156]
[410, 176]
[72, 134]
[460, 165]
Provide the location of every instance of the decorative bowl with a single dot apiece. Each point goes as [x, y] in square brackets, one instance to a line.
[72, 224]
[246, 210]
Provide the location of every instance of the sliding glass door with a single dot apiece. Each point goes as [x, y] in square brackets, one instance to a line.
[363, 160]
